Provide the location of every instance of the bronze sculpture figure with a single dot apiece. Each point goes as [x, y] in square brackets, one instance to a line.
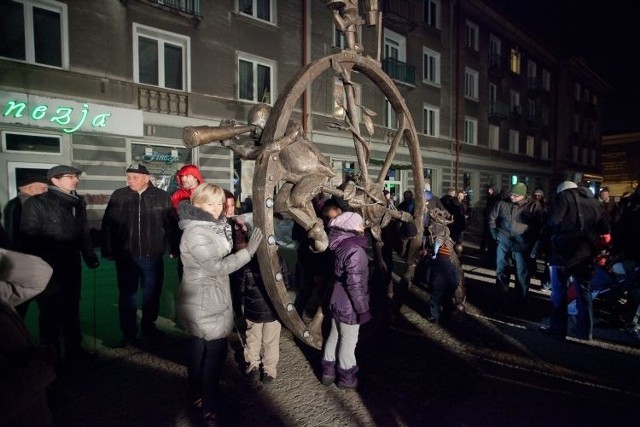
[290, 170]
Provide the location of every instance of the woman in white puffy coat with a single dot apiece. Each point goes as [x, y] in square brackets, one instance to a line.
[204, 299]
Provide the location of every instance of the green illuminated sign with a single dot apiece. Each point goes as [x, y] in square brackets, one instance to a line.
[69, 116]
[61, 116]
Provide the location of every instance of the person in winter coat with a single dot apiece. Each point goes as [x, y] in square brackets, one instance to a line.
[263, 327]
[54, 227]
[575, 221]
[188, 177]
[29, 186]
[516, 226]
[454, 207]
[487, 243]
[204, 306]
[349, 303]
[137, 227]
[442, 280]
[26, 370]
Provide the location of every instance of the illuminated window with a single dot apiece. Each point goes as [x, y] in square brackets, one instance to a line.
[255, 79]
[35, 32]
[470, 83]
[430, 66]
[530, 145]
[514, 64]
[432, 13]
[431, 120]
[390, 120]
[161, 58]
[470, 131]
[472, 34]
[514, 141]
[340, 99]
[494, 137]
[259, 9]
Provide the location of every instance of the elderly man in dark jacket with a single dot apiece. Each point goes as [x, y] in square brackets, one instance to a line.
[31, 185]
[516, 226]
[575, 221]
[54, 227]
[137, 226]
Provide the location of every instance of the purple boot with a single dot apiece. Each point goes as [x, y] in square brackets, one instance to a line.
[347, 378]
[328, 372]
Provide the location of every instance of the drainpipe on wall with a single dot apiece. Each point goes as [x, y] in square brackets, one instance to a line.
[456, 122]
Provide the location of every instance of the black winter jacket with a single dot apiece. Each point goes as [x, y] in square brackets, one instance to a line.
[517, 225]
[257, 305]
[140, 225]
[53, 226]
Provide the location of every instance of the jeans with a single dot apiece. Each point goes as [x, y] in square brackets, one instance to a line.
[347, 335]
[204, 368]
[149, 273]
[523, 275]
[584, 303]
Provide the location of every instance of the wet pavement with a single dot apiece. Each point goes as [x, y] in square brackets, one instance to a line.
[484, 369]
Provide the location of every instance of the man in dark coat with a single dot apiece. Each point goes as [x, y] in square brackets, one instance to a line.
[54, 227]
[575, 221]
[453, 206]
[30, 186]
[136, 228]
[516, 226]
[487, 243]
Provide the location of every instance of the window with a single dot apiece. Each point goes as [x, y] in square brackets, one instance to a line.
[431, 120]
[514, 103]
[494, 137]
[532, 70]
[514, 141]
[546, 80]
[470, 83]
[28, 143]
[576, 123]
[544, 149]
[395, 45]
[530, 145]
[470, 130]
[531, 108]
[255, 79]
[34, 32]
[577, 91]
[514, 63]
[432, 13]
[390, 119]
[430, 66]
[471, 34]
[495, 46]
[340, 100]
[161, 58]
[259, 9]
[493, 93]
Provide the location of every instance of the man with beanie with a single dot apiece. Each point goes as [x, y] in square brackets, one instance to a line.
[54, 227]
[575, 221]
[31, 185]
[516, 225]
[137, 226]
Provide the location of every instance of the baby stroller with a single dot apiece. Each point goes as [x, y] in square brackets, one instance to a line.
[614, 281]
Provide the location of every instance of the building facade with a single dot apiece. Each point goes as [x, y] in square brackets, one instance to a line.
[103, 84]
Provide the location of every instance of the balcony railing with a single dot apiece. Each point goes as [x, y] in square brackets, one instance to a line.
[498, 110]
[186, 7]
[163, 101]
[399, 14]
[400, 71]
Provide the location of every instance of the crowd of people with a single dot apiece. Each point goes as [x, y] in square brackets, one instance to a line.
[221, 285]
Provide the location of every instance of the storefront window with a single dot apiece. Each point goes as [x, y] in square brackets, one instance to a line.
[162, 161]
[31, 143]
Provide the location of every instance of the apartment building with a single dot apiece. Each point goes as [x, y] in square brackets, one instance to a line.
[102, 84]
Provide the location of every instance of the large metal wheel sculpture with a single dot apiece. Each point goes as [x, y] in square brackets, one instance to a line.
[270, 173]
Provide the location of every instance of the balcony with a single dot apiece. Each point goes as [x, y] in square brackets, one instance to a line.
[398, 15]
[163, 101]
[535, 86]
[400, 71]
[497, 65]
[498, 111]
[186, 8]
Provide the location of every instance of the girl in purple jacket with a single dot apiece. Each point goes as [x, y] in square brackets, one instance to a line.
[349, 304]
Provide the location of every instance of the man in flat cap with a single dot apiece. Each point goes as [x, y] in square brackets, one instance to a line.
[54, 227]
[29, 186]
[137, 227]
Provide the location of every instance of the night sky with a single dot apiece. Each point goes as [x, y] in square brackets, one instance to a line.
[605, 34]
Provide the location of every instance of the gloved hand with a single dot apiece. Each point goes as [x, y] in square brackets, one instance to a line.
[254, 241]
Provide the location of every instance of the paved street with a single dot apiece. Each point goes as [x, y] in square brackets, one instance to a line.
[482, 370]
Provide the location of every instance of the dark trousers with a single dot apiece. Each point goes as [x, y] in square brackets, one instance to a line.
[148, 272]
[206, 359]
[584, 303]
